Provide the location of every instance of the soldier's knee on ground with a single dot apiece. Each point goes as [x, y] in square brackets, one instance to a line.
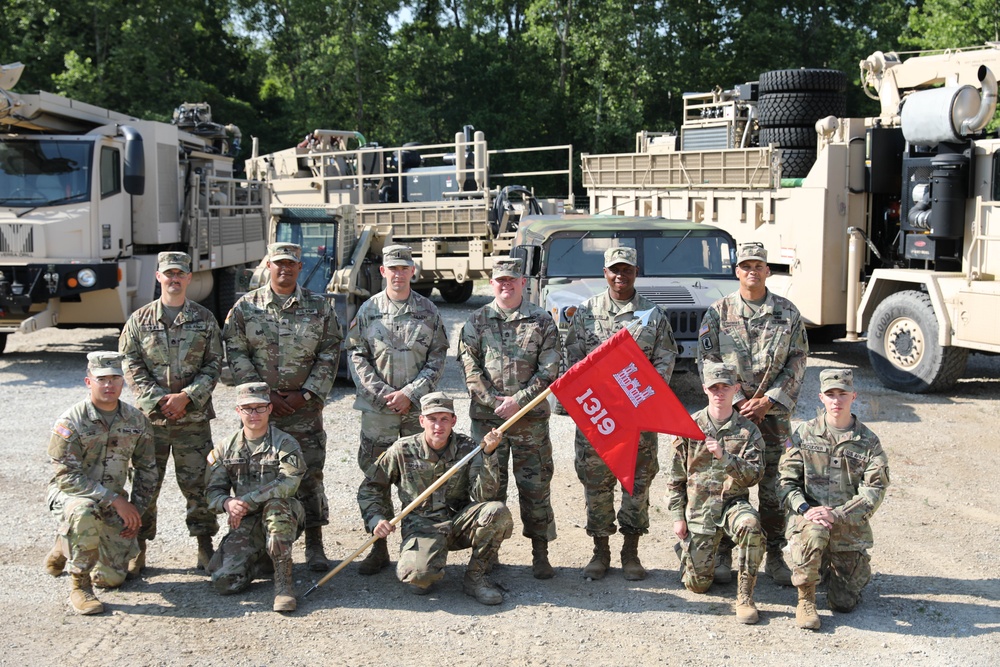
[103, 576]
[696, 583]
[842, 599]
[421, 577]
[229, 583]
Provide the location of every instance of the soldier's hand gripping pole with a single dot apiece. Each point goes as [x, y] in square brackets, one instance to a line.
[430, 489]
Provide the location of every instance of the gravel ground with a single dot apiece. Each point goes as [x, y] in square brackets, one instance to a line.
[934, 600]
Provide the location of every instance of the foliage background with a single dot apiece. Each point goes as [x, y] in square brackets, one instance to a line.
[526, 72]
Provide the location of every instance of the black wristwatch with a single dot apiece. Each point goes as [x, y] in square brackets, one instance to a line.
[803, 508]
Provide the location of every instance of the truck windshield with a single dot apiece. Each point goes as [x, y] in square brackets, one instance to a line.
[38, 172]
[317, 241]
[661, 253]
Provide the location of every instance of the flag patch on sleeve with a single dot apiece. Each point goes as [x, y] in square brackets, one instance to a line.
[62, 431]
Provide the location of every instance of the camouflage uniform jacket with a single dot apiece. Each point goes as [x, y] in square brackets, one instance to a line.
[849, 475]
[184, 356]
[702, 487]
[769, 351]
[413, 466]
[94, 461]
[395, 348]
[272, 470]
[291, 347]
[598, 319]
[516, 355]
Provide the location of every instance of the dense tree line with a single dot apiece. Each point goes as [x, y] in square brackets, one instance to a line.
[527, 72]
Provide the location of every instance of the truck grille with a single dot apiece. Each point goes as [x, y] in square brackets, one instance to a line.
[17, 240]
[668, 296]
[685, 323]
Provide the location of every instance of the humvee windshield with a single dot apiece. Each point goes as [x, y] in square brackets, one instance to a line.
[661, 253]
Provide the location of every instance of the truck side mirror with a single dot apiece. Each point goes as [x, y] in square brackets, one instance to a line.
[530, 258]
[134, 180]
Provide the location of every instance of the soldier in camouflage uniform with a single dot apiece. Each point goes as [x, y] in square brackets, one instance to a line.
[96, 446]
[709, 494]
[595, 321]
[289, 338]
[397, 348]
[510, 352]
[833, 478]
[253, 478]
[762, 335]
[460, 515]
[172, 352]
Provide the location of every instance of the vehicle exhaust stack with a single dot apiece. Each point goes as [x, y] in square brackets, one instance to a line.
[950, 114]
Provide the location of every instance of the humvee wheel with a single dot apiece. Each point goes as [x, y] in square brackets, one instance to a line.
[455, 292]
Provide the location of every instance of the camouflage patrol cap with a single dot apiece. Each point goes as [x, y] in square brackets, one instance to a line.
[100, 364]
[437, 401]
[753, 250]
[173, 260]
[252, 393]
[718, 374]
[509, 267]
[397, 255]
[620, 255]
[279, 251]
[836, 378]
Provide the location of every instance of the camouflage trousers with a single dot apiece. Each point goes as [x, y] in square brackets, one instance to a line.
[269, 532]
[424, 551]
[90, 537]
[378, 432]
[306, 426]
[741, 524]
[190, 444]
[809, 547]
[527, 443]
[776, 429]
[599, 488]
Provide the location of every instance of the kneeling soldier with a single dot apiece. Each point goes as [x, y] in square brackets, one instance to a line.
[262, 467]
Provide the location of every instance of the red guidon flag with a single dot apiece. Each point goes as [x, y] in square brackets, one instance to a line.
[612, 395]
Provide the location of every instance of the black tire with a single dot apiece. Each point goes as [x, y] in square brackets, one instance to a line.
[223, 295]
[799, 109]
[455, 292]
[789, 137]
[796, 162]
[903, 346]
[424, 291]
[3, 342]
[799, 80]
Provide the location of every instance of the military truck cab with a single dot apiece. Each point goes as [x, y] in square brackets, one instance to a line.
[683, 266]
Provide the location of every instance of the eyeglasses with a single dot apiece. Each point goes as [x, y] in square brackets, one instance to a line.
[260, 409]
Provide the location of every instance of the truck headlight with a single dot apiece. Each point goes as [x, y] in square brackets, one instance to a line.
[87, 278]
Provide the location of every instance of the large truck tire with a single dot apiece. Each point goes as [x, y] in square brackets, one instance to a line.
[798, 80]
[789, 137]
[903, 346]
[455, 292]
[799, 109]
[797, 162]
[3, 342]
[223, 295]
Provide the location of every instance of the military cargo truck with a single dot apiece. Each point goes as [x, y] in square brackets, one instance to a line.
[89, 197]
[885, 225]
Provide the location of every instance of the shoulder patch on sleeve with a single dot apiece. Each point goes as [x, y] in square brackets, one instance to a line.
[211, 458]
[62, 431]
[704, 330]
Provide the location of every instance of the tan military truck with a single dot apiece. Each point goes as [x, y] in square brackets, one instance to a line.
[88, 197]
[887, 225]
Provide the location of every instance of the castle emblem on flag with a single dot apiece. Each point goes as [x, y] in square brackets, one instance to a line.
[630, 385]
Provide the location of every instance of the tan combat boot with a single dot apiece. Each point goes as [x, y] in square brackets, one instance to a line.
[746, 610]
[55, 561]
[723, 566]
[315, 556]
[631, 566]
[137, 564]
[478, 586]
[775, 568]
[81, 595]
[376, 560]
[599, 564]
[205, 551]
[284, 592]
[540, 567]
[806, 616]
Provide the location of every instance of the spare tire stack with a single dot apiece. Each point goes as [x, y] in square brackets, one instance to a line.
[790, 103]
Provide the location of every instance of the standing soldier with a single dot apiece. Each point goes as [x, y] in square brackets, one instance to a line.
[460, 515]
[833, 478]
[172, 354]
[763, 337]
[709, 495]
[96, 446]
[286, 336]
[253, 479]
[510, 353]
[397, 347]
[595, 321]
